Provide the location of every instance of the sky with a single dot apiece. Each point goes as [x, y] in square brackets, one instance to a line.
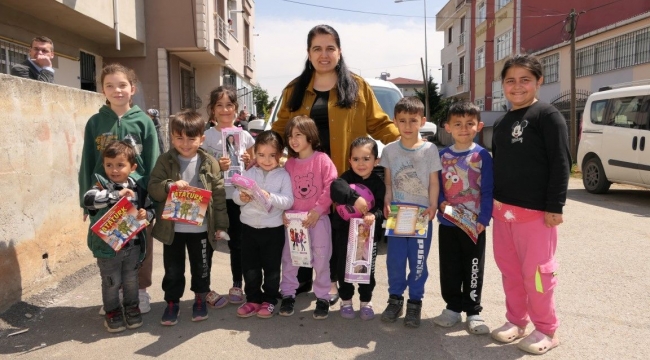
[389, 40]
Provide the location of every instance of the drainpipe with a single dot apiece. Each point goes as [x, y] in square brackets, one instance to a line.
[116, 25]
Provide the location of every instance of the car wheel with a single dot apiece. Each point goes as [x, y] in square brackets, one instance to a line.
[594, 178]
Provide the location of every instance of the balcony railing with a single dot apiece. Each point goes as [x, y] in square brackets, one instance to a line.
[248, 58]
[461, 39]
[460, 3]
[461, 79]
[221, 29]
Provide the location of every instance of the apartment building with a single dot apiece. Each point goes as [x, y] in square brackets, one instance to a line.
[499, 28]
[180, 50]
[454, 19]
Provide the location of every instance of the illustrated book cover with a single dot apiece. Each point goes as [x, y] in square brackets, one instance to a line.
[407, 220]
[187, 205]
[119, 224]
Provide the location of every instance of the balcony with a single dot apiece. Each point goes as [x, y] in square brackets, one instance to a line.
[461, 39]
[248, 63]
[461, 79]
[460, 3]
[221, 33]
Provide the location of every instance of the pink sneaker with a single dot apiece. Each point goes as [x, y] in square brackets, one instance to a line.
[266, 310]
[248, 309]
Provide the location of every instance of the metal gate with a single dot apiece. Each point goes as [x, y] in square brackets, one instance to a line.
[562, 102]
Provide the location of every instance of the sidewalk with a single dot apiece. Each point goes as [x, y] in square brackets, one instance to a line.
[71, 328]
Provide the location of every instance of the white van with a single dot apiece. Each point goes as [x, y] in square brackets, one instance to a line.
[615, 139]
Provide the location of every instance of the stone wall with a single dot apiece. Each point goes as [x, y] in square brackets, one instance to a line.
[42, 236]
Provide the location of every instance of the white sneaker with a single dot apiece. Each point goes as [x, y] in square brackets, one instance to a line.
[102, 312]
[145, 299]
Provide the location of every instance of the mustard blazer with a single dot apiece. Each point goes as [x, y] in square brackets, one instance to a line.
[365, 117]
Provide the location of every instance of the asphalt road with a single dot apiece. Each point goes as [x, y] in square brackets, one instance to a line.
[604, 282]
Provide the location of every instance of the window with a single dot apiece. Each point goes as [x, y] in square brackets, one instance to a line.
[498, 4]
[604, 56]
[642, 46]
[550, 66]
[187, 89]
[480, 13]
[597, 110]
[11, 54]
[450, 35]
[87, 73]
[498, 101]
[461, 71]
[461, 37]
[449, 72]
[480, 103]
[627, 112]
[503, 45]
[480, 57]
[616, 53]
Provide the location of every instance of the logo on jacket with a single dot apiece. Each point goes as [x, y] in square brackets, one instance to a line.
[304, 187]
[518, 131]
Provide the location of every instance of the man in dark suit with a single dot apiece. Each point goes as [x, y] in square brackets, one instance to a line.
[39, 64]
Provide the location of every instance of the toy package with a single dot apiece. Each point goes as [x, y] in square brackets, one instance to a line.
[407, 220]
[299, 242]
[119, 224]
[249, 186]
[358, 264]
[233, 149]
[188, 205]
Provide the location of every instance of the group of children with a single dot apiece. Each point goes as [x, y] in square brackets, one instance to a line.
[260, 245]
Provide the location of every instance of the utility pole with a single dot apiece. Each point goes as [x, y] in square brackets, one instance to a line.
[573, 148]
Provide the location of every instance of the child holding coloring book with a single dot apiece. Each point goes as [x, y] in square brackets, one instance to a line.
[312, 173]
[363, 158]
[262, 237]
[233, 155]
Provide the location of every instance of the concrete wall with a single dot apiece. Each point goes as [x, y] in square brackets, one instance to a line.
[42, 236]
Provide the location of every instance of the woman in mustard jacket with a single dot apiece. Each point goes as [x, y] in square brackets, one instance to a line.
[343, 106]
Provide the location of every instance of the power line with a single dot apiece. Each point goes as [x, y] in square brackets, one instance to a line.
[411, 16]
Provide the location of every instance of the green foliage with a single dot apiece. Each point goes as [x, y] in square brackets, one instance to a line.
[262, 103]
[434, 99]
[440, 114]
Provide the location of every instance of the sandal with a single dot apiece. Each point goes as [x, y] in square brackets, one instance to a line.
[235, 295]
[347, 311]
[476, 325]
[538, 343]
[215, 300]
[508, 333]
[366, 312]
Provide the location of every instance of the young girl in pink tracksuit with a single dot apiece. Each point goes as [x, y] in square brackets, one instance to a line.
[531, 175]
[312, 172]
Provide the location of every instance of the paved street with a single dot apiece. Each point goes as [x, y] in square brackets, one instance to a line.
[602, 296]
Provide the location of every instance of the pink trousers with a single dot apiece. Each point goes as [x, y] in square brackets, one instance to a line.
[321, 251]
[525, 254]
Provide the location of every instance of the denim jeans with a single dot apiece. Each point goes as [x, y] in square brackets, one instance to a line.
[120, 271]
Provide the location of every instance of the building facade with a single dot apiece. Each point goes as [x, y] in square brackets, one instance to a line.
[408, 87]
[498, 29]
[180, 50]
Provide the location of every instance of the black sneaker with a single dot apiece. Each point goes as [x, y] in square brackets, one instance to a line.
[394, 309]
[133, 317]
[199, 309]
[322, 309]
[170, 316]
[413, 314]
[114, 321]
[286, 307]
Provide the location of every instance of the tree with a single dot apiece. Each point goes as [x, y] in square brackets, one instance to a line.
[434, 99]
[441, 113]
[262, 104]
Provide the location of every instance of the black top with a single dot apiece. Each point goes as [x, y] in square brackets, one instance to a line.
[320, 115]
[532, 161]
[342, 193]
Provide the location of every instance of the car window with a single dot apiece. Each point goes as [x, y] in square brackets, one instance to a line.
[597, 110]
[387, 99]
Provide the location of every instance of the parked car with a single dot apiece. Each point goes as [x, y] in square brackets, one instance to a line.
[387, 95]
[615, 130]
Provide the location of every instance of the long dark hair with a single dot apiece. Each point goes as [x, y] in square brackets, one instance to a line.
[346, 85]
